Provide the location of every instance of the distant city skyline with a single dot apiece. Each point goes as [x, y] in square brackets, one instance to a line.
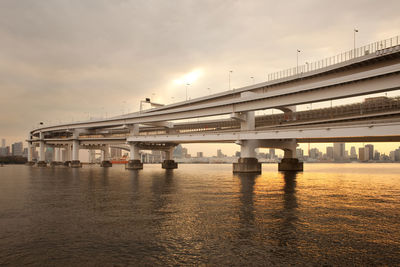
[333, 151]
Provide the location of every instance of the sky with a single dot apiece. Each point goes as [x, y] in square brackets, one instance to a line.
[69, 60]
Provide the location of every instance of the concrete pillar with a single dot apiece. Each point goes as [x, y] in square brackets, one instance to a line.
[30, 153]
[92, 156]
[289, 113]
[290, 162]
[247, 163]
[42, 149]
[134, 158]
[67, 160]
[106, 157]
[169, 162]
[53, 157]
[75, 163]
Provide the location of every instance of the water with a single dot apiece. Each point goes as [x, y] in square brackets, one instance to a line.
[332, 214]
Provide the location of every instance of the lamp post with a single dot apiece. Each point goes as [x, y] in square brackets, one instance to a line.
[230, 72]
[297, 61]
[354, 39]
[187, 91]
[209, 90]
[252, 78]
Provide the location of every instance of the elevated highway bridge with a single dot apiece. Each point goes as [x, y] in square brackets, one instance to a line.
[370, 69]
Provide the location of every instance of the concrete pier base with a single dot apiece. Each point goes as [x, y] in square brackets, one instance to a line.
[106, 164]
[134, 165]
[41, 164]
[30, 163]
[247, 165]
[75, 164]
[169, 164]
[67, 163]
[290, 164]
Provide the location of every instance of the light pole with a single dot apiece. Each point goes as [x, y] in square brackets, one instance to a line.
[354, 39]
[297, 61]
[187, 90]
[252, 78]
[209, 90]
[230, 72]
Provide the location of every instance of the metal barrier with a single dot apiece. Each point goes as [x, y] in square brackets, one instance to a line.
[379, 48]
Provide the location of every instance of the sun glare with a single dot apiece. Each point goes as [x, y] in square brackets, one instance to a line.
[189, 77]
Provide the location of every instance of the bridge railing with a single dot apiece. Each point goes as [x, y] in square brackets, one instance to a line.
[378, 48]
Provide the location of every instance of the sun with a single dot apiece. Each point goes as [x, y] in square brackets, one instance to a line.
[190, 77]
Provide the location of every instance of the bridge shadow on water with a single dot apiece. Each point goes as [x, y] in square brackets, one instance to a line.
[264, 215]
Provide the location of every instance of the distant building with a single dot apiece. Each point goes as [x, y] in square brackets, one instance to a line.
[339, 151]
[5, 151]
[329, 152]
[369, 152]
[25, 152]
[353, 153]
[185, 153]
[362, 154]
[377, 155]
[178, 152]
[272, 153]
[3, 142]
[116, 153]
[199, 154]
[237, 154]
[220, 154]
[314, 153]
[299, 153]
[17, 149]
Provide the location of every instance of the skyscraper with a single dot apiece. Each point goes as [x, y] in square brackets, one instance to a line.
[339, 151]
[369, 152]
[3, 142]
[353, 153]
[329, 152]
[361, 154]
[17, 149]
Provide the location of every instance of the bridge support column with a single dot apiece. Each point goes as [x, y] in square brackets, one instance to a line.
[247, 163]
[75, 163]
[92, 156]
[134, 161]
[54, 157]
[106, 158]
[169, 162]
[58, 156]
[67, 160]
[42, 148]
[30, 153]
[290, 162]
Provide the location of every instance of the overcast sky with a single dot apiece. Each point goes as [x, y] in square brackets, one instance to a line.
[68, 60]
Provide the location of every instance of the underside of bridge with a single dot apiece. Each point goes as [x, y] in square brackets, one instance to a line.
[371, 69]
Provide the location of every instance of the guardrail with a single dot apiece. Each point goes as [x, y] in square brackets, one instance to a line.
[376, 47]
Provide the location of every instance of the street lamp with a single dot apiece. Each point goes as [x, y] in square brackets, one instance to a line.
[209, 90]
[297, 61]
[252, 78]
[354, 39]
[187, 90]
[230, 72]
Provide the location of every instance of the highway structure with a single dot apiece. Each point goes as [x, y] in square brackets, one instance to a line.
[374, 68]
